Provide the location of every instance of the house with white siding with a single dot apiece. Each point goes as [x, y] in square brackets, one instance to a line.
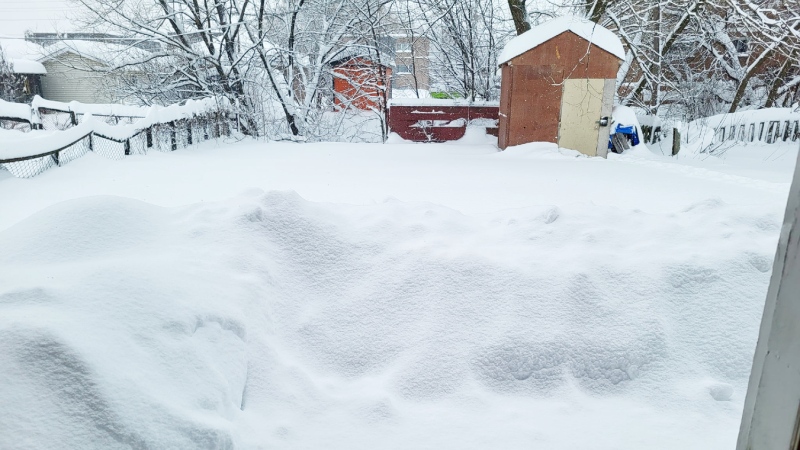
[64, 68]
[79, 70]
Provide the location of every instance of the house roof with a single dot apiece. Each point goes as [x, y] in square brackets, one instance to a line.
[101, 52]
[591, 31]
[362, 52]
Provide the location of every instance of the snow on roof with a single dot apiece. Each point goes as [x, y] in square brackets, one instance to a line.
[23, 55]
[358, 51]
[26, 66]
[102, 52]
[592, 32]
[20, 48]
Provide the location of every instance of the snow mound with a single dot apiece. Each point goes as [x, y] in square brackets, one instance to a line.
[268, 321]
[591, 31]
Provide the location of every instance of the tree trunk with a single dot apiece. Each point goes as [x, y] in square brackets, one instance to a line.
[740, 91]
[595, 9]
[773, 92]
[520, 15]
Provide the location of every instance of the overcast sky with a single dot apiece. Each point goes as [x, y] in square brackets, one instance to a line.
[16, 16]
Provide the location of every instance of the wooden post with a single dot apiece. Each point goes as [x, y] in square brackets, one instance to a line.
[149, 134]
[127, 145]
[771, 418]
[72, 118]
[647, 132]
[172, 136]
[676, 141]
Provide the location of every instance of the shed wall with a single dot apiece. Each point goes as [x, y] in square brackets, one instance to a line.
[530, 101]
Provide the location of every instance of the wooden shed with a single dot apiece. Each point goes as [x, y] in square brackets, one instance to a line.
[558, 84]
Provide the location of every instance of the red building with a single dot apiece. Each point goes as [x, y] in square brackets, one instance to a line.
[361, 83]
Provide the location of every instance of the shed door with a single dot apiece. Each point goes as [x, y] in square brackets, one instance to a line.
[581, 109]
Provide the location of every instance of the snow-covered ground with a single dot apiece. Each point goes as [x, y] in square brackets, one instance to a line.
[366, 296]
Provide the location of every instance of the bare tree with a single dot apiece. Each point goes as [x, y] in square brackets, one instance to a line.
[466, 37]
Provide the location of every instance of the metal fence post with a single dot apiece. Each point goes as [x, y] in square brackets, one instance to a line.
[55, 157]
[149, 135]
[72, 118]
[127, 145]
[189, 132]
[91, 142]
[172, 136]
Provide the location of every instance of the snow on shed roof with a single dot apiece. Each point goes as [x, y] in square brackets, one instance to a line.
[22, 55]
[26, 66]
[592, 32]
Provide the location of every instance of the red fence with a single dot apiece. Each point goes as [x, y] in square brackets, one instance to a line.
[439, 123]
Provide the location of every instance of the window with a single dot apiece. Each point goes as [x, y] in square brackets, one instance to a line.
[403, 47]
[404, 68]
[741, 46]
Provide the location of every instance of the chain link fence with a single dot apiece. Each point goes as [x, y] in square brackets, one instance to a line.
[159, 136]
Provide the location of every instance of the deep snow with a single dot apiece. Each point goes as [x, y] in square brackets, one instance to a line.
[263, 295]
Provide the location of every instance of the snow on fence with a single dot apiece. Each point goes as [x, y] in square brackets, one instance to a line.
[432, 120]
[160, 128]
[50, 114]
[768, 126]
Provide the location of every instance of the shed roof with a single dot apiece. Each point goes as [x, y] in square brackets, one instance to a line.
[591, 31]
[22, 55]
[355, 52]
[27, 66]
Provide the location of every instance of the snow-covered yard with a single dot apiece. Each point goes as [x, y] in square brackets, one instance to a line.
[367, 296]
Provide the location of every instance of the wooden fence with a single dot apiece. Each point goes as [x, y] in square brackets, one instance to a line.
[767, 132]
[766, 126]
[441, 121]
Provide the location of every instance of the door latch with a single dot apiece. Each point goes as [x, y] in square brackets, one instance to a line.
[603, 122]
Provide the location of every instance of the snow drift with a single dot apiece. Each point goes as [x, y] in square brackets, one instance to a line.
[268, 321]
